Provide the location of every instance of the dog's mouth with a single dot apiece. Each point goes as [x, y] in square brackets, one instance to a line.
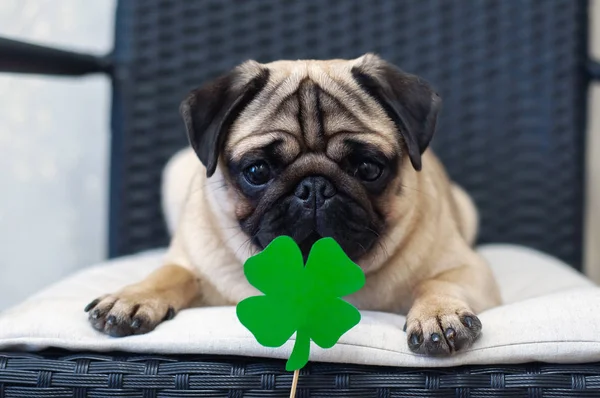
[307, 243]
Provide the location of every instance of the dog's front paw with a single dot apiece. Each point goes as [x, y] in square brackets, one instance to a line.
[131, 311]
[441, 330]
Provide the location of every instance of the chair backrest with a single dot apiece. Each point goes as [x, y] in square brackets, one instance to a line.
[511, 74]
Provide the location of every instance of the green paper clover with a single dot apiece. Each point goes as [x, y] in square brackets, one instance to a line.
[304, 300]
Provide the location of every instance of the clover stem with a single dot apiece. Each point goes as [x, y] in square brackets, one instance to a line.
[300, 352]
[294, 383]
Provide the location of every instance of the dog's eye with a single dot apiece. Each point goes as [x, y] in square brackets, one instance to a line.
[368, 171]
[258, 173]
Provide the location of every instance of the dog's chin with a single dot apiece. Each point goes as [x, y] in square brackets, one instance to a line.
[307, 243]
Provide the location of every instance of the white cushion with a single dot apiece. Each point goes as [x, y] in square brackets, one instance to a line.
[550, 314]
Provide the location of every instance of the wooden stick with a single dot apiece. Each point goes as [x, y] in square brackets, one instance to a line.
[294, 383]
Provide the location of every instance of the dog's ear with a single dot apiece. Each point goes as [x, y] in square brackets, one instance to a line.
[409, 101]
[209, 111]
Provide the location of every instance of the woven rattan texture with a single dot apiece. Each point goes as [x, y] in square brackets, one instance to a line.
[29, 376]
[510, 72]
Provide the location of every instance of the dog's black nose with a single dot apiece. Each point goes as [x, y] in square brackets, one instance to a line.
[315, 190]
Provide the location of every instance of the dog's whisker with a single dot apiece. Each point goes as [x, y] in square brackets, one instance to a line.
[362, 247]
[233, 236]
[242, 245]
[212, 228]
[372, 231]
[381, 245]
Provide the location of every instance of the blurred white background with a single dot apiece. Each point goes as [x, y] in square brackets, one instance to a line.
[54, 140]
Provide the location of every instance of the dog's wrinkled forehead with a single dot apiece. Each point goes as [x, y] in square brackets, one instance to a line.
[310, 106]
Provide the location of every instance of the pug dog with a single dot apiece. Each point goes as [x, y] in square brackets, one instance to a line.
[314, 149]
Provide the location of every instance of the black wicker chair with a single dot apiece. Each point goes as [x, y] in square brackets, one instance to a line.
[513, 75]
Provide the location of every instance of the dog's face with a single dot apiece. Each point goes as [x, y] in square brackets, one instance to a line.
[313, 149]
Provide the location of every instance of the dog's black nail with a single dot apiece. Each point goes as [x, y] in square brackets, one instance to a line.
[450, 334]
[111, 320]
[415, 340]
[435, 337]
[91, 305]
[404, 328]
[136, 323]
[170, 314]
[468, 321]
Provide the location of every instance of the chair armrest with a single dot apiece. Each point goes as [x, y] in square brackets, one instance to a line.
[21, 57]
